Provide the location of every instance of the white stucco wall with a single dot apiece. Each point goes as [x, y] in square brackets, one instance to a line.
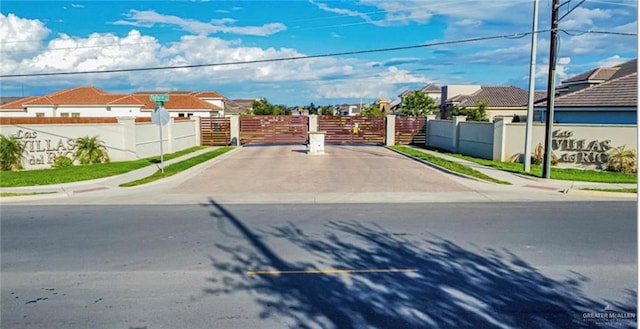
[124, 140]
[576, 145]
[439, 134]
[476, 139]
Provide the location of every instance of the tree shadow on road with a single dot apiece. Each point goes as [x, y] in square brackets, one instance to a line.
[444, 285]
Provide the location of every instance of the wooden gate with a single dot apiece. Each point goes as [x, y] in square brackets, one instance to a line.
[353, 129]
[215, 131]
[273, 129]
[411, 130]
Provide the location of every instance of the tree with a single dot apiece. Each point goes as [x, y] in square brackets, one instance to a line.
[263, 107]
[417, 103]
[478, 113]
[326, 110]
[10, 153]
[371, 109]
[91, 150]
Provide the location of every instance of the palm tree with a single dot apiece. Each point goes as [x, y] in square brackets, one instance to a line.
[622, 160]
[90, 150]
[10, 153]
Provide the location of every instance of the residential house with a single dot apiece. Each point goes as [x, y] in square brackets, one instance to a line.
[182, 104]
[612, 102]
[596, 76]
[88, 101]
[347, 109]
[239, 106]
[507, 102]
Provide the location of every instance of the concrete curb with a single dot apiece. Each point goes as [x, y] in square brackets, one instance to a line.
[445, 170]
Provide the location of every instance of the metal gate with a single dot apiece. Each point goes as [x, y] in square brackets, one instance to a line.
[215, 131]
[353, 129]
[273, 129]
[411, 130]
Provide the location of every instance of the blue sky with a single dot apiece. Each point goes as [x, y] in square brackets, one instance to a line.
[59, 36]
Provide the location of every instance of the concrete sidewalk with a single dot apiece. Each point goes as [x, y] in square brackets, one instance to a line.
[522, 186]
[515, 179]
[100, 184]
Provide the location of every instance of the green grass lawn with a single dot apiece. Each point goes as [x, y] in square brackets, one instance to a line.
[619, 190]
[556, 173]
[81, 173]
[450, 165]
[179, 166]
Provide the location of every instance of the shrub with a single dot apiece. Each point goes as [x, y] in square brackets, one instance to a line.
[91, 150]
[62, 162]
[537, 157]
[10, 153]
[619, 159]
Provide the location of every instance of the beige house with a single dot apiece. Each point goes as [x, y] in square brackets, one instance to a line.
[507, 102]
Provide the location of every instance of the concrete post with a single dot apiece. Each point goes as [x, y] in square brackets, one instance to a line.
[499, 135]
[128, 126]
[426, 128]
[390, 137]
[197, 130]
[313, 123]
[235, 130]
[455, 122]
[170, 126]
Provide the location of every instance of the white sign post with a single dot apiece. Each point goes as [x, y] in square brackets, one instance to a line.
[160, 117]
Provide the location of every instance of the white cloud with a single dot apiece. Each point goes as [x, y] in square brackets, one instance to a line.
[584, 18]
[335, 35]
[468, 22]
[612, 61]
[150, 18]
[20, 36]
[75, 5]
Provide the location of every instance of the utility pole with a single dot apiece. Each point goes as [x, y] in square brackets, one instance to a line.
[532, 87]
[551, 91]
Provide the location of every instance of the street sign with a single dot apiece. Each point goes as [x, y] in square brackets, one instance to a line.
[159, 97]
[160, 116]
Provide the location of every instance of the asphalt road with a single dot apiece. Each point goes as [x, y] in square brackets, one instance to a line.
[419, 265]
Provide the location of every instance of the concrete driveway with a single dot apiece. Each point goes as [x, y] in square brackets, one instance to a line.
[343, 173]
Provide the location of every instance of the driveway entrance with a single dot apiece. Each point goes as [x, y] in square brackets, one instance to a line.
[286, 173]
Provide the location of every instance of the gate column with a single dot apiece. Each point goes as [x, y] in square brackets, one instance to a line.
[235, 130]
[390, 137]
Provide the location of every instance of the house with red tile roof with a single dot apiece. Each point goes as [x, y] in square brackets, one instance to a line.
[88, 101]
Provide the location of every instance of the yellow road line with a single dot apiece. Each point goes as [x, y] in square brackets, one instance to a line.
[332, 271]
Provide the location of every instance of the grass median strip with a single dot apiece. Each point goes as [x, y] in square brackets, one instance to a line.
[4, 195]
[450, 165]
[175, 168]
[617, 190]
[596, 176]
[81, 173]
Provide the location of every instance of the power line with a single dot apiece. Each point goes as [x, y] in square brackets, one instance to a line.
[357, 52]
[282, 59]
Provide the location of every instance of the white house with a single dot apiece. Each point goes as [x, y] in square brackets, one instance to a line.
[88, 101]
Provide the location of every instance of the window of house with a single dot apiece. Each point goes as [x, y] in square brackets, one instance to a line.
[64, 115]
[108, 108]
[39, 114]
[180, 115]
[75, 115]
[189, 114]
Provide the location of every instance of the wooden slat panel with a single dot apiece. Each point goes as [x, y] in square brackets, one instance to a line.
[353, 129]
[273, 129]
[411, 130]
[215, 131]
